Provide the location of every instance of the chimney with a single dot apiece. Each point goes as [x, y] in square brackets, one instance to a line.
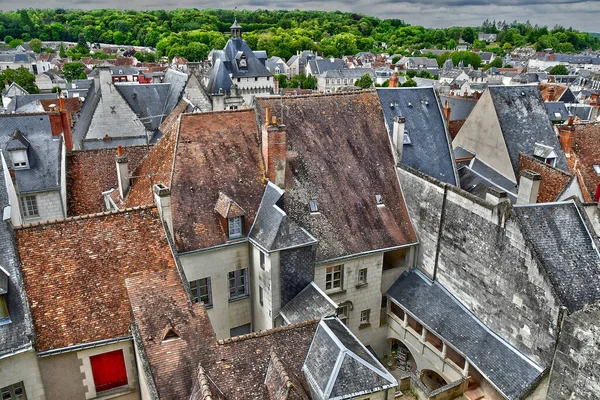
[529, 187]
[566, 137]
[122, 172]
[275, 85]
[495, 196]
[65, 118]
[550, 95]
[274, 149]
[597, 195]
[398, 135]
[447, 110]
[594, 99]
[394, 80]
[162, 199]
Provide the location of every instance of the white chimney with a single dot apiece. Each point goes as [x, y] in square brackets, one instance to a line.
[122, 172]
[529, 187]
[495, 196]
[162, 199]
[398, 135]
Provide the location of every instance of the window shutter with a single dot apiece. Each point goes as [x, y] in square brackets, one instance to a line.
[109, 370]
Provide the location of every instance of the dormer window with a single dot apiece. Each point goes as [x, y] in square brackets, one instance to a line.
[17, 147]
[4, 316]
[545, 153]
[232, 216]
[597, 169]
[314, 207]
[235, 227]
[19, 159]
[379, 200]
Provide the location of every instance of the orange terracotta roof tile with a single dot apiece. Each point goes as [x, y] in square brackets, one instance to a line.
[74, 273]
[553, 179]
[586, 145]
[547, 88]
[72, 104]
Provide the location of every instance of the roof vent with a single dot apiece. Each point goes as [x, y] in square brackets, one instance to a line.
[379, 200]
[170, 333]
[522, 93]
[314, 208]
[409, 104]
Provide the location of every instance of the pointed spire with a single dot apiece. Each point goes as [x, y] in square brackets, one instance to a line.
[236, 30]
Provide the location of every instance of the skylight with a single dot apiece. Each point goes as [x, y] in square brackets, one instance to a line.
[379, 199]
[314, 208]
[597, 169]
[406, 139]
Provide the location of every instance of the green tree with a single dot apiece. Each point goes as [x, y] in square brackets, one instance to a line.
[61, 51]
[559, 70]
[364, 81]
[409, 83]
[22, 77]
[468, 34]
[283, 80]
[36, 45]
[451, 44]
[82, 46]
[496, 63]
[8, 39]
[411, 73]
[15, 42]
[73, 70]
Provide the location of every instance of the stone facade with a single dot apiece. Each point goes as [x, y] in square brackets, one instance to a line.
[24, 368]
[49, 205]
[576, 368]
[482, 258]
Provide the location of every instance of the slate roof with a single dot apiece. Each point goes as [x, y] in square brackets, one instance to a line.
[524, 122]
[339, 366]
[310, 304]
[146, 101]
[84, 263]
[91, 172]
[272, 229]
[348, 73]
[478, 184]
[557, 111]
[28, 102]
[238, 367]
[460, 107]
[441, 313]
[562, 242]
[430, 149]
[586, 145]
[561, 92]
[339, 155]
[319, 66]
[44, 152]
[18, 335]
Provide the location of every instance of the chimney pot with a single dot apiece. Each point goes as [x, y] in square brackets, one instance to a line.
[529, 187]
[120, 150]
[107, 138]
[274, 149]
[447, 110]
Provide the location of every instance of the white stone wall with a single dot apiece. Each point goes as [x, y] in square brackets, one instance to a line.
[268, 279]
[50, 207]
[24, 368]
[216, 264]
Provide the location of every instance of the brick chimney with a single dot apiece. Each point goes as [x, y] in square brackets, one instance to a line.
[594, 99]
[529, 187]
[394, 80]
[566, 136]
[274, 149]
[398, 135]
[122, 172]
[162, 199]
[275, 85]
[447, 110]
[66, 124]
[550, 94]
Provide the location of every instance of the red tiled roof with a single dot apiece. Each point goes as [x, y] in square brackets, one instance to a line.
[74, 273]
[553, 179]
[545, 89]
[454, 128]
[72, 104]
[586, 145]
[91, 172]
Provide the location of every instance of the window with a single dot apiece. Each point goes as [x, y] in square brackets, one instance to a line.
[3, 309]
[314, 207]
[235, 227]
[260, 295]
[238, 284]
[597, 169]
[362, 276]
[29, 206]
[109, 370]
[365, 315]
[343, 314]
[333, 277]
[19, 159]
[406, 139]
[201, 291]
[15, 391]
[240, 330]
[262, 260]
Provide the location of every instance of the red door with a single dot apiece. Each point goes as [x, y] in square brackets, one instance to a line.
[109, 370]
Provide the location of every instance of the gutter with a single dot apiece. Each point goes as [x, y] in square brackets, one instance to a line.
[23, 349]
[83, 346]
[366, 253]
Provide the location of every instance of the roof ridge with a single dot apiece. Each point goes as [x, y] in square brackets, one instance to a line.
[267, 332]
[86, 216]
[218, 112]
[125, 147]
[319, 94]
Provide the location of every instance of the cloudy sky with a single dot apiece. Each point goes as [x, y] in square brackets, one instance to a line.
[582, 15]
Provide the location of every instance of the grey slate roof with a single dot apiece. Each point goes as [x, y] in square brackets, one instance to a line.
[477, 184]
[311, 303]
[441, 313]
[319, 66]
[557, 111]
[561, 240]
[353, 73]
[44, 151]
[18, 335]
[339, 366]
[460, 109]
[146, 101]
[524, 122]
[20, 103]
[272, 229]
[429, 151]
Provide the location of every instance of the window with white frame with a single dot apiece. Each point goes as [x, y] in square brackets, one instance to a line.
[19, 159]
[201, 291]
[343, 314]
[235, 227]
[16, 391]
[29, 206]
[260, 295]
[333, 277]
[362, 276]
[238, 283]
[365, 315]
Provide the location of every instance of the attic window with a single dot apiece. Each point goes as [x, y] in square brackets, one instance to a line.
[19, 159]
[597, 169]
[406, 139]
[235, 227]
[314, 208]
[170, 334]
[379, 200]
[4, 317]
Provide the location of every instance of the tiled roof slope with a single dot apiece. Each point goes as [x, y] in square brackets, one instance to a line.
[157, 166]
[545, 89]
[524, 122]
[75, 270]
[237, 366]
[586, 144]
[157, 301]
[553, 179]
[562, 242]
[72, 104]
[216, 152]
[310, 304]
[434, 307]
[91, 172]
[339, 154]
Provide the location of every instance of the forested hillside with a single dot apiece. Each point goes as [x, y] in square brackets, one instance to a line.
[192, 33]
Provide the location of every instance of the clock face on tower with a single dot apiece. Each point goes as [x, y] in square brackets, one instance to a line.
[243, 62]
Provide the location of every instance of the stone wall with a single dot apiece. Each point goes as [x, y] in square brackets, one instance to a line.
[50, 207]
[297, 271]
[24, 368]
[483, 260]
[576, 369]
